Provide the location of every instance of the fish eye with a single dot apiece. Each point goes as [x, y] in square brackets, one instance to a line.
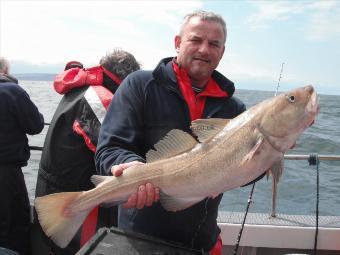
[291, 98]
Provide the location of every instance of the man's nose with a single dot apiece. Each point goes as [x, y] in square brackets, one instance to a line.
[204, 47]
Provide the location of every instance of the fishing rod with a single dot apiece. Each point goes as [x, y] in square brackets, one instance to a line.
[278, 83]
[250, 200]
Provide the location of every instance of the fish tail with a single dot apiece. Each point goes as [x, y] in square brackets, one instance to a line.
[55, 217]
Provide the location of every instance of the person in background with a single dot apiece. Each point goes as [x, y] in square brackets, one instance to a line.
[149, 104]
[67, 160]
[19, 116]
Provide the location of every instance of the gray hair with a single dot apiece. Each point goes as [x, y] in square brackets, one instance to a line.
[205, 15]
[120, 63]
[4, 65]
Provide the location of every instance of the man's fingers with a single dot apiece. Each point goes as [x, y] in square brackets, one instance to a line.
[141, 197]
[132, 201]
[117, 170]
[150, 194]
[157, 194]
[146, 195]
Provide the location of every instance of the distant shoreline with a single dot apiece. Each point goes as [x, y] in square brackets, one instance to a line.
[35, 76]
[240, 85]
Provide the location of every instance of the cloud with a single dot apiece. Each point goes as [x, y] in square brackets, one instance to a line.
[319, 19]
[324, 21]
[267, 12]
[58, 31]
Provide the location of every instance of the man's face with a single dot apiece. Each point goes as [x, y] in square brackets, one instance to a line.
[200, 49]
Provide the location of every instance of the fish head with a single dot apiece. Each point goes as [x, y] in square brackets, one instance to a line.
[284, 117]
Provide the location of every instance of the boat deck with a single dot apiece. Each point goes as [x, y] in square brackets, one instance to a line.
[294, 232]
[280, 220]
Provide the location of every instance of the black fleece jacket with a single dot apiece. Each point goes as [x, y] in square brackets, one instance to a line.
[18, 116]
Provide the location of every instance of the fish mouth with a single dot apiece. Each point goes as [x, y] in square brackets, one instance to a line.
[313, 106]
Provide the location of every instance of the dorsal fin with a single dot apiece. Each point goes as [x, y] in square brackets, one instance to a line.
[174, 143]
[205, 129]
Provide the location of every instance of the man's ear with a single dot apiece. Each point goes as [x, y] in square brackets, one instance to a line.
[177, 43]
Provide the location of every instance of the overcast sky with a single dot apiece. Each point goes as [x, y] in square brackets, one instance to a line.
[41, 36]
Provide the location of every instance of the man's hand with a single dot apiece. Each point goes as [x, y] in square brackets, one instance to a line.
[145, 196]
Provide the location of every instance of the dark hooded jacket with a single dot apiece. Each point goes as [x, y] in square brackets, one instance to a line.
[67, 160]
[147, 105]
[18, 116]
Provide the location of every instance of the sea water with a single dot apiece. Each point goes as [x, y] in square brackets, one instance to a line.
[297, 187]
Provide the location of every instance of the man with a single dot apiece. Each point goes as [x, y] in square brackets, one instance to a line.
[147, 106]
[18, 117]
[67, 161]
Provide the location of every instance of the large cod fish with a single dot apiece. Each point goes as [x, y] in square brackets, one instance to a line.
[227, 155]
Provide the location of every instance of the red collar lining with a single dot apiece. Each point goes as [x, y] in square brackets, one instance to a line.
[196, 103]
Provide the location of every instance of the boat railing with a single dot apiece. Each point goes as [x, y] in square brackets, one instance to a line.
[306, 157]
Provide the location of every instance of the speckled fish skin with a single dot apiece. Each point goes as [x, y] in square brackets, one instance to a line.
[245, 148]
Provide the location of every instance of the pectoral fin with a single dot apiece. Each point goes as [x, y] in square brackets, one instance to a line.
[174, 204]
[256, 148]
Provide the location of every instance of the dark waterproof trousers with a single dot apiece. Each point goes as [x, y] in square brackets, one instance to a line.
[14, 210]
